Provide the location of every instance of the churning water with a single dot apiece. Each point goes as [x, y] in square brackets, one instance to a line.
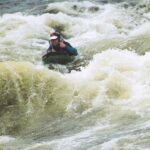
[105, 105]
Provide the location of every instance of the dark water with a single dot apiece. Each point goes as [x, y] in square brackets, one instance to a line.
[11, 6]
[36, 6]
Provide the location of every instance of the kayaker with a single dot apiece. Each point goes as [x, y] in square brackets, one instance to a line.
[58, 45]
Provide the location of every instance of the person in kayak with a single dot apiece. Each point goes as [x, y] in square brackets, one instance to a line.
[59, 46]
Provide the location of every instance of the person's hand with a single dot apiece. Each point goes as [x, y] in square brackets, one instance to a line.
[62, 44]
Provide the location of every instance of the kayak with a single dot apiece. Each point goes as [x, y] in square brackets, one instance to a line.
[58, 58]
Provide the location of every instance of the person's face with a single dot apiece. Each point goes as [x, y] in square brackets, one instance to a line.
[55, 42]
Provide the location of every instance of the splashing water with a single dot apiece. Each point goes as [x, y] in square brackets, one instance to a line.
[105, 105]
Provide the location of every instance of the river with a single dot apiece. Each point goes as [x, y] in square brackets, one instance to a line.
[102, 105]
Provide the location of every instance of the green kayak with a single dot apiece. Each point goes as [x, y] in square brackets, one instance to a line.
[58, 58]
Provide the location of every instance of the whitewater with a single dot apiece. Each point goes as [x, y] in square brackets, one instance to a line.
[103, 104]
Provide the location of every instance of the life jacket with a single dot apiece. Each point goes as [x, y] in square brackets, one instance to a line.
[58, 49]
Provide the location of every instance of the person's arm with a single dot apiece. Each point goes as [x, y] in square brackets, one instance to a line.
[71, 50]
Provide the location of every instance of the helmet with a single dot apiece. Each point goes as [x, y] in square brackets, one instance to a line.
[55, 35]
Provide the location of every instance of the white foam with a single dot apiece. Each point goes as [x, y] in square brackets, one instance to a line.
[5, 139]
[143, 29]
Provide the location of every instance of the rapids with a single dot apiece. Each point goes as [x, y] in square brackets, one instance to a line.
[104, 105]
